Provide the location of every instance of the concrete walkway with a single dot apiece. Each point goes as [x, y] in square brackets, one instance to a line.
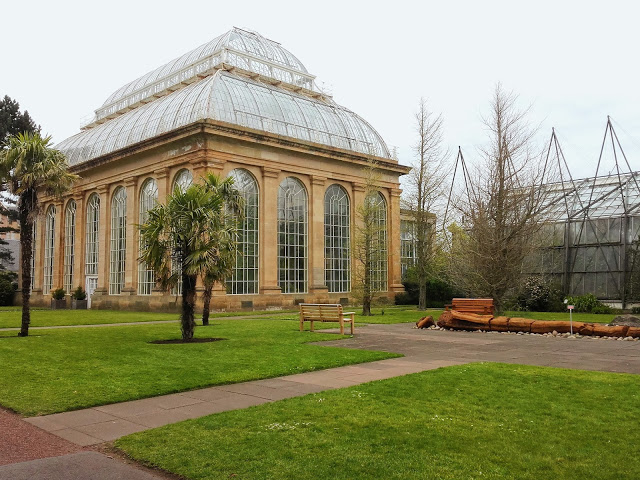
[423, 350]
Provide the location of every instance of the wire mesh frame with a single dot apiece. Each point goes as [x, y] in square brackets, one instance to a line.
[245, 278]
[49, 245]
[379, 263]
[337, 240]
[148, 200]
[69, 244]
[92, 238]
[118, 241]
[292, 236]
[182, 181]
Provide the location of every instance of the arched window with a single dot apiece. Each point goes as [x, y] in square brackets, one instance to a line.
[69, 244]
[49, 243]
[118, 241]
[148, 200]
[292, 236]
[378, 263]
[182, 180]
[337, 240]
[92, 238]
[245, 275]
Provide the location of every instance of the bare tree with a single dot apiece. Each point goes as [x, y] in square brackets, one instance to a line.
[501, 214]
[370, 240]
[425, 191]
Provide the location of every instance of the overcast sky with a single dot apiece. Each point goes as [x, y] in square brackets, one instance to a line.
[574, 62]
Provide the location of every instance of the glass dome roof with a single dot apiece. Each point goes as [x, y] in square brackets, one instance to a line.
[237, 48]
[227, 96]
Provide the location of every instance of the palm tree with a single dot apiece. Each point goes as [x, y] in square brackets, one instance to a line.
[29, 166]
[193, 230]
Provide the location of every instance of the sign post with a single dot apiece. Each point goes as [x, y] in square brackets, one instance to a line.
[570, 308]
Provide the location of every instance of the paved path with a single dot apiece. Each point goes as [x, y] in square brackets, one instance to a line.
[423, 350]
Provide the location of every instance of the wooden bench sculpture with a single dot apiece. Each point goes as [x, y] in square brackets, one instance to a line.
[479, 306]
[488, 323]
[316, 312]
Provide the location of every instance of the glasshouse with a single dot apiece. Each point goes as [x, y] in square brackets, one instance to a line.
[593, 238]
[243, 106]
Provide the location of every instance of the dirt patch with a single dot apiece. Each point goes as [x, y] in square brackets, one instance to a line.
[177, 341]
[20, 441]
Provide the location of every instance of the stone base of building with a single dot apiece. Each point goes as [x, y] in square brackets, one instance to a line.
[219, 303]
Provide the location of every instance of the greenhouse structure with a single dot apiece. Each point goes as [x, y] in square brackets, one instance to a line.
[592, 238]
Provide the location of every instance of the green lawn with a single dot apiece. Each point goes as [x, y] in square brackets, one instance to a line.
[478, 421]
[577, 317]
[11, 316]
[65, 369]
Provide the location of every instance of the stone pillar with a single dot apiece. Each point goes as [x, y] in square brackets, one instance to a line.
[393, 240]
[269, 234]
[202, 167]
[79, 243]
[131, 255]
[104, 237]
[318, 286]
[162, 180]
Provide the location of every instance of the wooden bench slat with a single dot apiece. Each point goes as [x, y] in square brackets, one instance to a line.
[472, 305]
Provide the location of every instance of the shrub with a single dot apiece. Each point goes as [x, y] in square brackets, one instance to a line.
[8, 286]
[58, 293]
[79, 294]
[588, 303]
[538, 295]
[439, 291]
[602, 308]
[635, 310]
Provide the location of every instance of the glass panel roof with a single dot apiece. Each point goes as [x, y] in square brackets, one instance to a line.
[236, 99]
[599, 197]
[238, 48]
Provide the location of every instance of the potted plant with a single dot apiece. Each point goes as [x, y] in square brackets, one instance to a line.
[58, 300]
[79, 299]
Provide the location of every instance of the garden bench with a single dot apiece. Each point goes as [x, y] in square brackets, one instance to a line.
[317, 312]
[480, 306]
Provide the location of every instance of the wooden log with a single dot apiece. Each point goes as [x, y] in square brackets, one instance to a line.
[633, 332]
[548, 326]
[585, 329]
[607, 331]
[517, 324]
[425, 322]
[472, 317]
[499, 324]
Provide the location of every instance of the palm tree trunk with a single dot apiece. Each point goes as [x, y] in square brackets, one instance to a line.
[25, 206]
[206, 297]
[188, 323]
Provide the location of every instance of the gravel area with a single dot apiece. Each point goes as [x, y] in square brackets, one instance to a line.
[21, 441]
